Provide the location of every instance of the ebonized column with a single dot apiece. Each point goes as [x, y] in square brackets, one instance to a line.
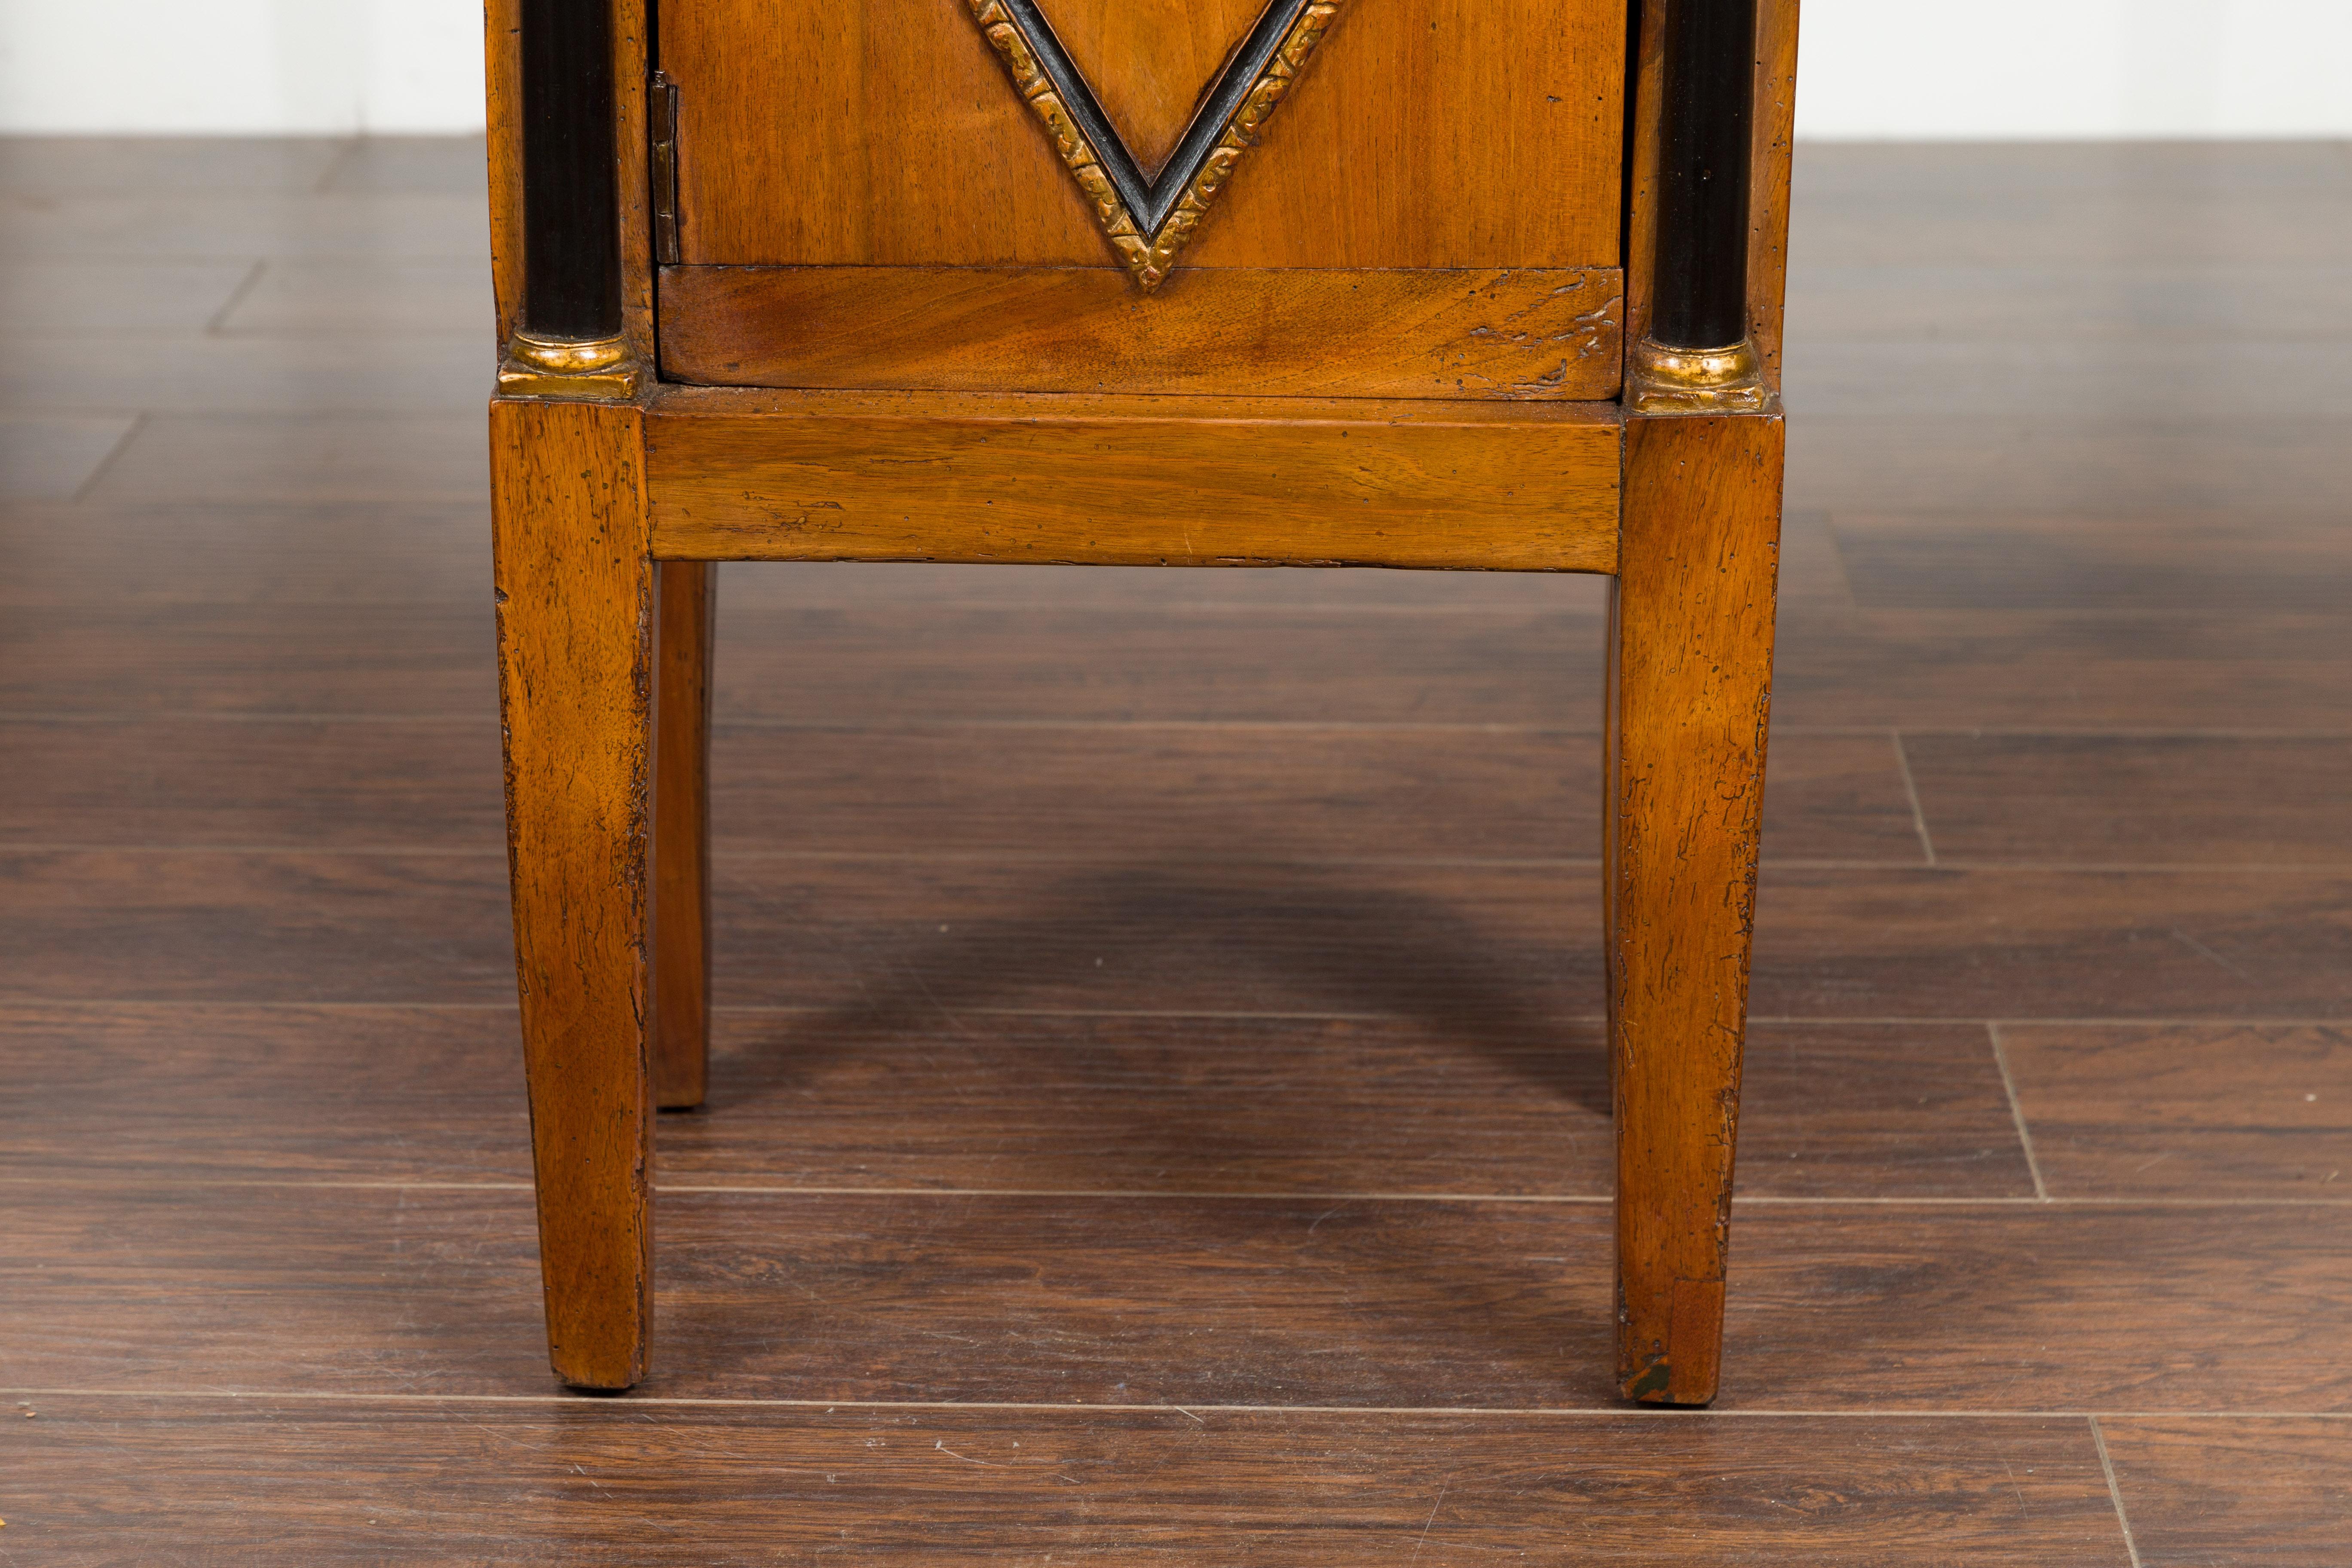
[1696, 347]
[571, 205]
[1704, 148]
[569, 341]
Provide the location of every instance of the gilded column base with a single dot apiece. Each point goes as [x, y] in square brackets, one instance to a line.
[1663, 380]
[598, 369]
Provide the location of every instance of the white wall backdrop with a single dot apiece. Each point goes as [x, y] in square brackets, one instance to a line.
[223, 66]
[2057, 69]
[1871, 68]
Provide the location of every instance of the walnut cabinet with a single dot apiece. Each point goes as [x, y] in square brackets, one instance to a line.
[1482, 284]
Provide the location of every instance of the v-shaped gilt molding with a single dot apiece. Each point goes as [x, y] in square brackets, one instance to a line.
[1149, 221]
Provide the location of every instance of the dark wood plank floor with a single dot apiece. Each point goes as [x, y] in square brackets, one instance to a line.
[1159, 1109]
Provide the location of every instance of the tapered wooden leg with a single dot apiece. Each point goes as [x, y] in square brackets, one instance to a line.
[1690, 688]
[681, 1021]
[576, 612]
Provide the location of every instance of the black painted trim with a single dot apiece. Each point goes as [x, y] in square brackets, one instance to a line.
[570, 194]
[1151, 200]
[1705, 143]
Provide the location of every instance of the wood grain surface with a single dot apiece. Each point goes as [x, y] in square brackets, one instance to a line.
[888, 135]
[1833, 942]
[685, 623]
[315, 459]
[946, 476]
[2281, 560]
[1682, 810]
[1137, 1102]
[2235, 1492]
[577, 605]
[500, 1484]
[1149, 64]
[1167, 792]
[1301, 1300]
[1227, 647]
[2137, 800]
[2189, 1109]
[1772, 173]
[1511, 335]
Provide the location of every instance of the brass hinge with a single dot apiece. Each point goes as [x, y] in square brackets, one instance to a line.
[663, 111]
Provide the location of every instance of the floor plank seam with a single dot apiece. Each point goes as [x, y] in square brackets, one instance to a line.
[213, 328]
[2115, 1492]
[1911, 792]
[2017, 1112]
[98, 471]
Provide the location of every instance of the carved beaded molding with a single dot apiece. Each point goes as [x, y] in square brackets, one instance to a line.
[1149, 221]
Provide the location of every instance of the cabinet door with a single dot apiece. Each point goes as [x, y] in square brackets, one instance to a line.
[865, 197]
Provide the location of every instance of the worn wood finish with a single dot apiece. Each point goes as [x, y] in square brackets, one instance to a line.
[576, 613]
[1511, 335]
[1690, 693]
[1646, 59]
[490, 1483]
[680, 1047]
[885, 135]
[502, 69]
[1768, 217]
[871, 477]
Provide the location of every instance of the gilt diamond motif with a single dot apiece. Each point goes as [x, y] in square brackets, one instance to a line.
[1148, 220]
